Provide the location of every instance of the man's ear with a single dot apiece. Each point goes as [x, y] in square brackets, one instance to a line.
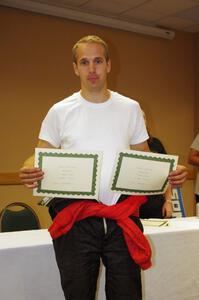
[108, 66]
[75, 69]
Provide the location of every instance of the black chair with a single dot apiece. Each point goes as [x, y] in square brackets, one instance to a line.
[18, 216]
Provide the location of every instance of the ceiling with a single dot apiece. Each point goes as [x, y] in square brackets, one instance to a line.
[170, 15]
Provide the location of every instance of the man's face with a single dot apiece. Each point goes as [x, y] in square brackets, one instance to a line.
[92, 67]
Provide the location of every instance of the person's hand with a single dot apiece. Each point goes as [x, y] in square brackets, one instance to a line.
[177, 178]
[167, 209]
[30, 176]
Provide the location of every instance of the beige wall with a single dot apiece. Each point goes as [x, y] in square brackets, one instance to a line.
[36, 71]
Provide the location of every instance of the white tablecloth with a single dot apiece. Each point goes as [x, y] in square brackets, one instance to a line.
[28, 270]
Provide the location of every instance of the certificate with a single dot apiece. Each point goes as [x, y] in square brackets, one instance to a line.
[68, 174]
[142, 173]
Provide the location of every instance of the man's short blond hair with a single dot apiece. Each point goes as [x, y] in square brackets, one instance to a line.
[90, 39]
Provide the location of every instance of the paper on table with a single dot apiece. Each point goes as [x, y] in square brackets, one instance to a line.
[155, 222]
[142, 173]
[68, 174]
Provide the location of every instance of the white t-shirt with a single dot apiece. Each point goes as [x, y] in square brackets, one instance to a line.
[195, 146]
[79, 125]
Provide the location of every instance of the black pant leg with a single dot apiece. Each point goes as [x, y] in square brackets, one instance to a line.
[123, 275]
[78, 259]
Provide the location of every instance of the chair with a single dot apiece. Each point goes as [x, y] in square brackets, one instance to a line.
[18, 216]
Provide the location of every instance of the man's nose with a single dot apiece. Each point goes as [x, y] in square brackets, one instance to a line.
[91, 67]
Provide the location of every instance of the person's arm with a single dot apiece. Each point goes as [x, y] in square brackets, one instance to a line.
[193, 157]
[29, 174]
[167, 208]
[140, 147]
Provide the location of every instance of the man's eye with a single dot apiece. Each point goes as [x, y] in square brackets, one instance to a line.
[98, 61]
[83, 62]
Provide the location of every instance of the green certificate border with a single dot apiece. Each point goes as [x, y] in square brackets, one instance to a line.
[139, 156]
[92, 192]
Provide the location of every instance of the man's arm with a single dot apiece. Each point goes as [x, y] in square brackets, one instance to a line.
[178, 177]
[29, 174]
[140, 147]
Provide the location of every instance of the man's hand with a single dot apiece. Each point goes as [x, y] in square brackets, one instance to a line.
[30, 176]
[178, 177]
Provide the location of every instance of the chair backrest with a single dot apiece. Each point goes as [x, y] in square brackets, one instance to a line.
[18, 216]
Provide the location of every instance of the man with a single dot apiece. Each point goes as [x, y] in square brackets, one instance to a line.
[94, 119]
[193, 159]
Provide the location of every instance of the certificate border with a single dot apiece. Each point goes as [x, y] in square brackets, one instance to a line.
[121, 155]
[68, 193]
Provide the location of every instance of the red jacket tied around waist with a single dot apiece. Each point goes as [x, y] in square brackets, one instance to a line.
[137, 243]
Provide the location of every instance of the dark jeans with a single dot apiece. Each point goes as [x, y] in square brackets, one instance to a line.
[78, 255]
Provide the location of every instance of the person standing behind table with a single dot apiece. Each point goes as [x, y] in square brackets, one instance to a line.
[193, 159]
[157, 206]
[95, 118]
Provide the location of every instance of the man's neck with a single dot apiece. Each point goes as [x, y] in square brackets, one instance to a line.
[95, 96]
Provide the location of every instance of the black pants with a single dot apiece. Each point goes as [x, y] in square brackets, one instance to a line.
[78, 255]
[153, 207]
